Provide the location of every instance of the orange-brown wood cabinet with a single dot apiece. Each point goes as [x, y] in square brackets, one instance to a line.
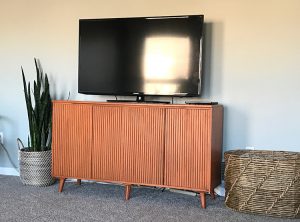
[176, 146]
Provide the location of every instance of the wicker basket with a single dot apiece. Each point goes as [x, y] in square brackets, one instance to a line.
[35, 168]
[263, 182]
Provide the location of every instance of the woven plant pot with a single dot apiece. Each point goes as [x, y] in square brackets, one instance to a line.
[35, 168]
[263, 182]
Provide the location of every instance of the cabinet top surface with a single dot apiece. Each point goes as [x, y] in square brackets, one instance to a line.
[158, 105]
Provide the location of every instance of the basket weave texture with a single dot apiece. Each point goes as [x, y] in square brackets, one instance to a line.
[263, 182]
[35, 168]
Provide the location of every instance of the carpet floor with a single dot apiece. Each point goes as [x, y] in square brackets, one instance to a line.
[102, 202]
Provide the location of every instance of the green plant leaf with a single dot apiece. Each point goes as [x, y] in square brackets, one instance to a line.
[39, 116]
[38, 77]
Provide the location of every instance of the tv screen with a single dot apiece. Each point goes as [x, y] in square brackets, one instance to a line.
[141, 56]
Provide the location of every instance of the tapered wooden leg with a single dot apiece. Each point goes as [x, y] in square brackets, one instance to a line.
[61, 184]
[127, 191]
[78, 182]
[212, 195]
[203, 200]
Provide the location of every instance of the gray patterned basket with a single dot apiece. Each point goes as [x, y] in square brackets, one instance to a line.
[35, 168]
[263, 182]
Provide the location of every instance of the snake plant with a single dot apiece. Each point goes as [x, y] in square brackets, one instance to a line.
[39, 110]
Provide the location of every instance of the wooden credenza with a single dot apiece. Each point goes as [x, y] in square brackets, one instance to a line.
[176, 146]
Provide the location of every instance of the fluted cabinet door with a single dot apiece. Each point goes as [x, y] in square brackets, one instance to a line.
[108, 151]
[72, 140]
[128, 144]
[187, 151]
[144, 143]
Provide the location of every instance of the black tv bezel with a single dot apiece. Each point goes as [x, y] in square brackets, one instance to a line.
[141, 93]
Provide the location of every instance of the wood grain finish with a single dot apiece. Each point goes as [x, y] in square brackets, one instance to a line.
[144, 144]
[216, 147]
[128, 144]
[72, 140]
[176, 146]
[108, 150]
[187, 151]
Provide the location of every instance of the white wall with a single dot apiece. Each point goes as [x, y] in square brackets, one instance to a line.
[252, 61]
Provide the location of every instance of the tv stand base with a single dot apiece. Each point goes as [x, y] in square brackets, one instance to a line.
[174, 146]
[127, 191]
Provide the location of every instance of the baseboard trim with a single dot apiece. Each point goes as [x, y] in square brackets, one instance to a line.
[9, 171]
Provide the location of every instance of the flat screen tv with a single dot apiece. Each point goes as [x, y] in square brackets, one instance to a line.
[141, 56]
